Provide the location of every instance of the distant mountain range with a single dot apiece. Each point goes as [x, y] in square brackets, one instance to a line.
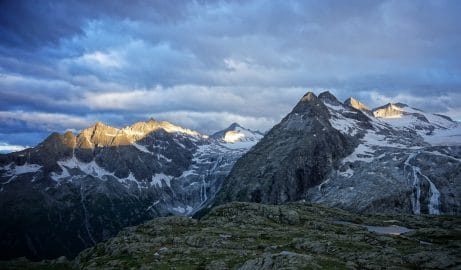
[72, 191]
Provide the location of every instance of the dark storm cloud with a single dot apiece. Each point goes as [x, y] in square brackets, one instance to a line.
[120, 62]
[32, 24]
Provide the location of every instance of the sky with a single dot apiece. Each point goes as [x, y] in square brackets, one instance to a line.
[205, 64]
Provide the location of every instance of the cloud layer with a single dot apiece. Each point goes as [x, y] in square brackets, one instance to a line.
[205, 64]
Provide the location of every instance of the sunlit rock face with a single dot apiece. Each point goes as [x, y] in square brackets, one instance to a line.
[389, 111]
[71, 192]
[338, 154]
[100, 135]
[354, 103]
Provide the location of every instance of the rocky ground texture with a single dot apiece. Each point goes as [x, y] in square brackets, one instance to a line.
[256, 236]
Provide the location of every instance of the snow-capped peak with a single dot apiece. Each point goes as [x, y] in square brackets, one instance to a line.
[236, 136]
[403, 116]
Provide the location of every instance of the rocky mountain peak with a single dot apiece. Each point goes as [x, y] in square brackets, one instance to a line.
[329, 98]
[400, 105]
[53, 139]
[98, 134]
[402, 116]
[292, 157]
[69, 139]
[308, 110]
[57, 141]
[390, 110]
[101, 134]
[98, 127]
[354, 103]
[233, 126]
[309, 96]
[307, 101]
[236, 136]
[51, 149]
[140, 128]
[394, 105]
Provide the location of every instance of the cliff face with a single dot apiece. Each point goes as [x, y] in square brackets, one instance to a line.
[354, 103]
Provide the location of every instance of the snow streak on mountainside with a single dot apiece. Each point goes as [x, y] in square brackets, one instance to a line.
[72, 191]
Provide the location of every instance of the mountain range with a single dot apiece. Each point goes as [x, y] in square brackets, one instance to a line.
[70, 192]
[392, 159]
[73, 191]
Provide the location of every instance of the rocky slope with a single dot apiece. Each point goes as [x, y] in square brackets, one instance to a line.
[294, 155]
[71, 192]
[291, 236]
[331, 152]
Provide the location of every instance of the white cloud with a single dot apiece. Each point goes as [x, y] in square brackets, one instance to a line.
[210, 122]
[110, 60]
[45, 121]
[454, 113]
[7, 148]
[268, 102]
[445, 103]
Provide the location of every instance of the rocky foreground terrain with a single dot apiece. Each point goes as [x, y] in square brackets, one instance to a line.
[291, 236]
